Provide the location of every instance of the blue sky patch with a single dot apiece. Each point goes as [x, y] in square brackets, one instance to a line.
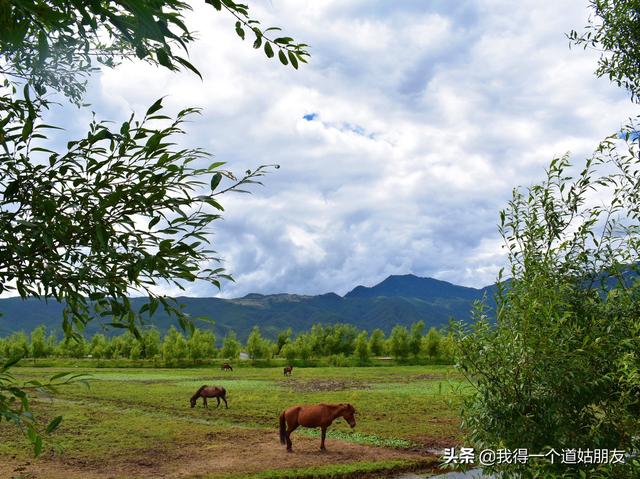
[633, 135]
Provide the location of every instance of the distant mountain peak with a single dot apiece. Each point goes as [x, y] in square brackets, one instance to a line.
[410, 285]
[252, 296]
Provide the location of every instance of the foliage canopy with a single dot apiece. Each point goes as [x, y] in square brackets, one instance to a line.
[121, 208]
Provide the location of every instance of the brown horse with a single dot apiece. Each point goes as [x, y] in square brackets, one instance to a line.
[226, 367]
[320, 415]
[287, 370]
[210, 392]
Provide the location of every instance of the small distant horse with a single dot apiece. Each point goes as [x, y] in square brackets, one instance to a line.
[205, 392]
[320, 415]
[226, 367]
[287, 370]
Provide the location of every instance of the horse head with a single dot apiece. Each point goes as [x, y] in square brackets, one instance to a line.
[348, 413]
[195, 397]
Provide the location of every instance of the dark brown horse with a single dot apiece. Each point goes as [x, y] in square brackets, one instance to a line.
[210, 392]
[287, 370]
[319, 415]
[226, 367]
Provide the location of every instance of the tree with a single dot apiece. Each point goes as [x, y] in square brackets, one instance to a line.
[72, 348]
[615, 30]
[100, 346]
[283, 338]
[560, 366]
[121, 207]
[56, 44]
[432, 343]
[174, 347]
[122, 345]
[230, 346]
[38, 346]
[257, 347]
[289, 352]
[565, 349]
[340, 338]
[201, 345]
[16, 345]
[376, 342]
[151, 343]
[399, 342]
[415, 340]
[304, 346]
[361, 349]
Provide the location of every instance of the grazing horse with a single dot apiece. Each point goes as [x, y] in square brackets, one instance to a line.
[226, 367]
[320, 415]
[287, 370]
[210, 392]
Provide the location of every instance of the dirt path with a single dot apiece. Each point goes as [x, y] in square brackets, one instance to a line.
[221, 453]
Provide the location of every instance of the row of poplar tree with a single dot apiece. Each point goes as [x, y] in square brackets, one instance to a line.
[338, 342]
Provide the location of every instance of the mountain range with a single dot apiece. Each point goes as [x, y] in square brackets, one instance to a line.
[399, 299]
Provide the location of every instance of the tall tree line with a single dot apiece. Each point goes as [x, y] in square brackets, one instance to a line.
[336, 341]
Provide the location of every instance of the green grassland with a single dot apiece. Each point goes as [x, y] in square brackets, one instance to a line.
[126, 414]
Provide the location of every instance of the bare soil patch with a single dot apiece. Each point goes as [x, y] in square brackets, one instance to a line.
[429, 377]
[322, 385]
[227, 452]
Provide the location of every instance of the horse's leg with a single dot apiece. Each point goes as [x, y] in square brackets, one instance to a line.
[218, 398]
[324, 434]
[204, 399]
[289, 431]
[225, 402]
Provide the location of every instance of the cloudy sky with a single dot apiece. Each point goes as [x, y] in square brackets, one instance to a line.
[398, 143]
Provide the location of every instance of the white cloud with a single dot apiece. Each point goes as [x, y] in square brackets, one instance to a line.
[427, 115]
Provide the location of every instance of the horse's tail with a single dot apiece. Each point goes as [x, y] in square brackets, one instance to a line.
[283, 436]
[224, 392]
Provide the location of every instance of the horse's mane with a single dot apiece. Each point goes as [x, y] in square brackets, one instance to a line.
[195, 396]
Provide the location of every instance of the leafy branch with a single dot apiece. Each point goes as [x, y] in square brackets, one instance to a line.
[14, 402]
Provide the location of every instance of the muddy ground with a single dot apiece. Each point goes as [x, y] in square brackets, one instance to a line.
[216, 454]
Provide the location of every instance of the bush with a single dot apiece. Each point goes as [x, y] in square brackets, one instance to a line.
[559, 368]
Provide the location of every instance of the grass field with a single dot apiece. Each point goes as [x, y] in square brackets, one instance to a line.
[137, 423]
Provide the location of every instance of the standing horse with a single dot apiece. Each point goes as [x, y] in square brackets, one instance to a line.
[320, 415]
[287, 370]
[205, 392]
[226, 367]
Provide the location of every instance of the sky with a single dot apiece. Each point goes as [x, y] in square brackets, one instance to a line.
[398, 143]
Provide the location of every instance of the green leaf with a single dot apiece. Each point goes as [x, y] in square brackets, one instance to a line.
[215, 165]
[163, 59]
[215, 181]
[100, 234]
[154, 108]
[293, 59]
[188, 65]
[27, 129]
[53, 425]
[10, 362]
[283, 40]
[37, 445]
[283, 57]
[268, 50]
[154, 222]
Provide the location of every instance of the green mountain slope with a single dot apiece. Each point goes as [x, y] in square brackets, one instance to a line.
[396, 300]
